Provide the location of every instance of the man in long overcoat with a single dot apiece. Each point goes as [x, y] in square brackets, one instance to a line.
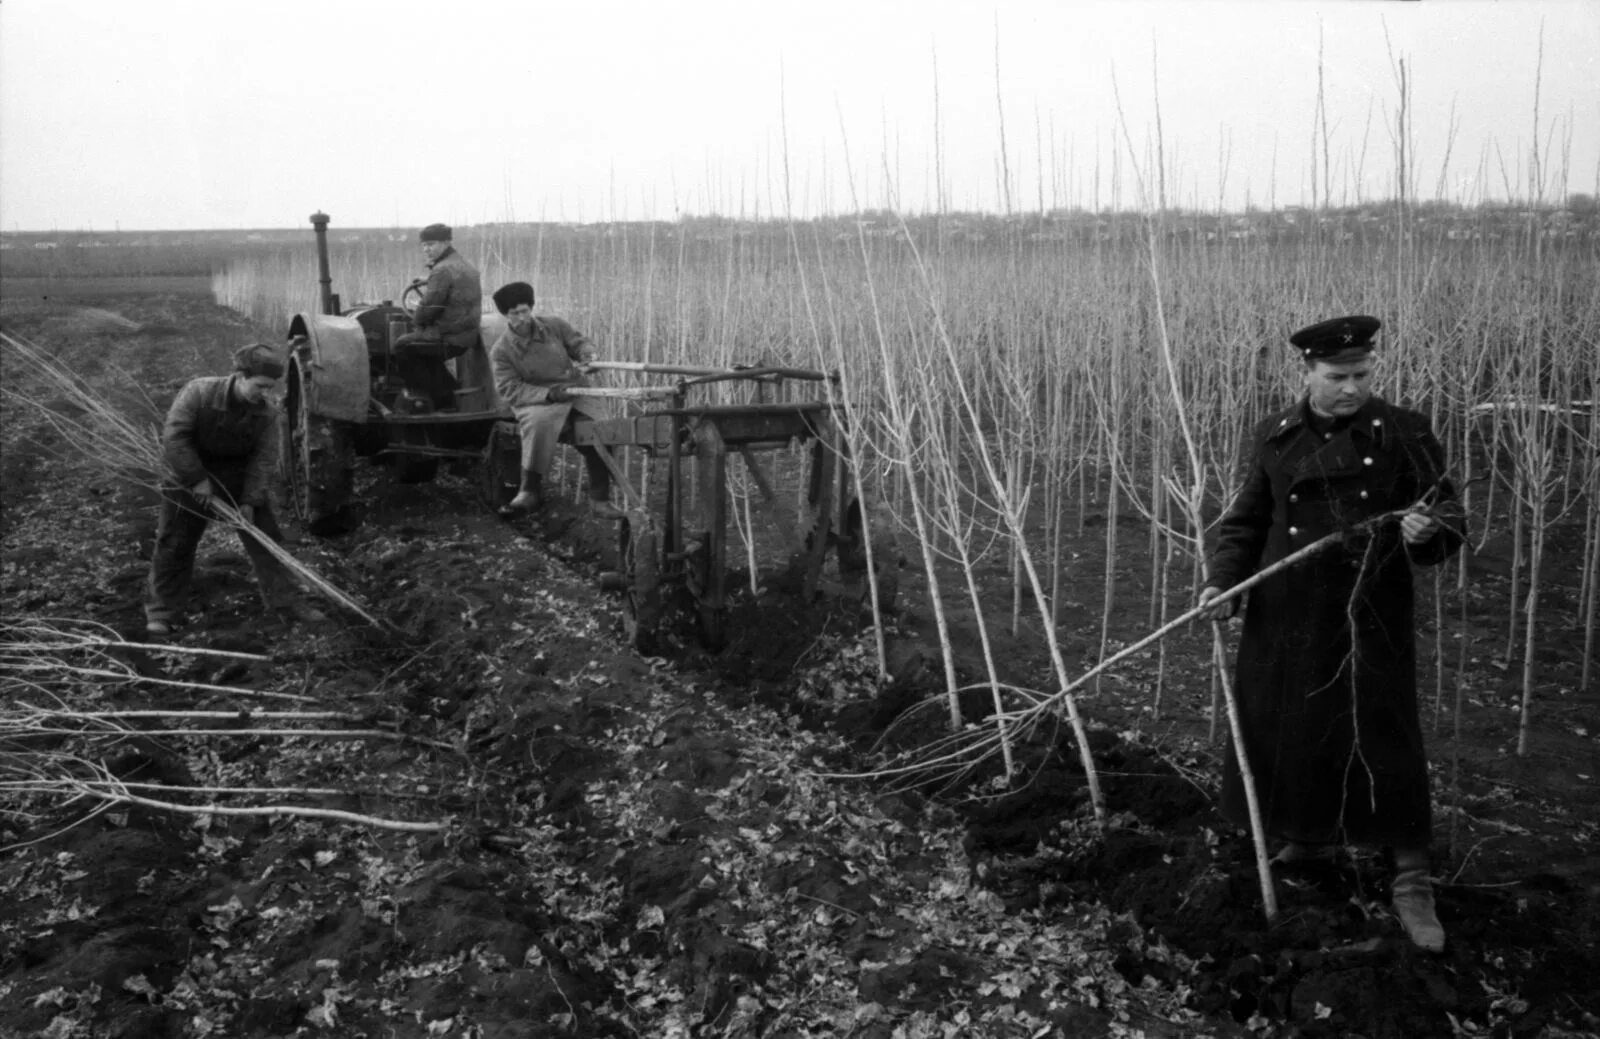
[1326, 675]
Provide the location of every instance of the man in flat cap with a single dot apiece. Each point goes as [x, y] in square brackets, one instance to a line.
[535, 363]
[1326, 663]
[446, 317]
[220, 442]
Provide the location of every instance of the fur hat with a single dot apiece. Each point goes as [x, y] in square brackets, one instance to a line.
[258, 359]
[436, 233]
[513, 295]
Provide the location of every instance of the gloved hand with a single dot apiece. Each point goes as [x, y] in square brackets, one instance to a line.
[248, 513]
[558, 394]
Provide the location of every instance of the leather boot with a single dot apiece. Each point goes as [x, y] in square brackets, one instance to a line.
[529, 496]
[1412, 897]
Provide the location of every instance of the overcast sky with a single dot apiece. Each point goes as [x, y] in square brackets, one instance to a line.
[175, 114]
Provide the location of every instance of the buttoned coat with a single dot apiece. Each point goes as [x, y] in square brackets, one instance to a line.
[1326, 667]
[526, 367]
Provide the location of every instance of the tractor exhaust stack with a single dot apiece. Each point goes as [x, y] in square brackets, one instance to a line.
[330, 302]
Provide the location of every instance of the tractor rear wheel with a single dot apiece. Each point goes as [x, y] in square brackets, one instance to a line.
[318, 458]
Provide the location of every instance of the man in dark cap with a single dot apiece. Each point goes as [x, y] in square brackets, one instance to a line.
[535, 363]
[446, 317]
[1326, 669]
[220, 442]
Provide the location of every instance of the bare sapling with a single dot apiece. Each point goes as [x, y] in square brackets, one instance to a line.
[906, 458]
[1193, 505]
[901, 450]
[855, 439]
[957, 517]
[1533, 438]
[1013, 517]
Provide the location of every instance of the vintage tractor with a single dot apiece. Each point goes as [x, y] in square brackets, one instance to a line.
[349, 394]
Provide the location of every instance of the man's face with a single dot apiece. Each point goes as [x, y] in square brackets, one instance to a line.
[1339, 389]
[433, 250]
[254, 388]
[520, 318]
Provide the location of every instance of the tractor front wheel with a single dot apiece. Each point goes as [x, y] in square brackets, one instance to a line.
[318, 459]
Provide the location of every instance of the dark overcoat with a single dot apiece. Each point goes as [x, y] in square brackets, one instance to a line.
[1326, 676]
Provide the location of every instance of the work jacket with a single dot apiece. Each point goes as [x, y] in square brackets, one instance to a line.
[452, 300]
[209, 432]
[525, 367]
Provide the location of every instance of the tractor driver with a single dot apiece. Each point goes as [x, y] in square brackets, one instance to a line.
[535, 362]
[446, 318]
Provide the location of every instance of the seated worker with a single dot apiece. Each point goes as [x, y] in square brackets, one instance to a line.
[535, 363]
[220, 442]
[446, 319]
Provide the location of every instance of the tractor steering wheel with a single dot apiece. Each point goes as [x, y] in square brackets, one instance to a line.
[411, 298]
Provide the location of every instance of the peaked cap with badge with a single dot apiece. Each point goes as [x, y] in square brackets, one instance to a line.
[1327, 340]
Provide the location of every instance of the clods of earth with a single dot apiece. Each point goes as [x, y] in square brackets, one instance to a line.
[489, 816]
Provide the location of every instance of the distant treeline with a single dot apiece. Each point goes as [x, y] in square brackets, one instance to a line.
[56, 256]
[80, 254]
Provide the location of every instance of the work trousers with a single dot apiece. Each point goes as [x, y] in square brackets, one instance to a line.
[183, 522]
[541, 427]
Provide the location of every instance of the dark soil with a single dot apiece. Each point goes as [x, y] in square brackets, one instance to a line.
[688, 844]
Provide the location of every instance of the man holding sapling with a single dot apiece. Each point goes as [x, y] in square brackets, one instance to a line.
[536, 362]
[220, 443]
[1326, 671]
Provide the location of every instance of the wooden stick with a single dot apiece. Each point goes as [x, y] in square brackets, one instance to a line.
[194, 651]
[286, 810]
[1184, 618]
[75, 641]
[129, 676]
[658, 369]
[624, 392]
[335, 734]
[241, 715]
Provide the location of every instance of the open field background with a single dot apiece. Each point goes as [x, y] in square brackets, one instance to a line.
[1012, 376]
[645, 847]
